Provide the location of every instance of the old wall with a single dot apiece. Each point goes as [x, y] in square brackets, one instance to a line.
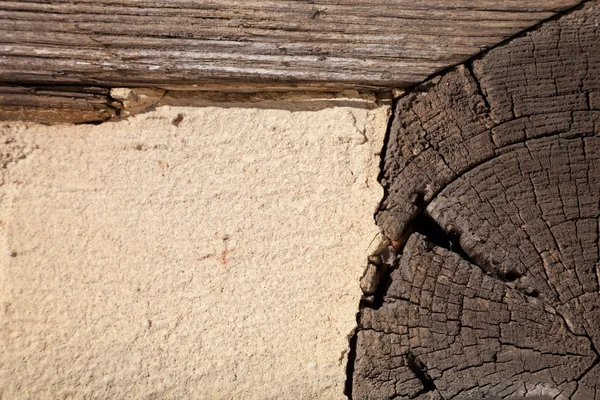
[185, 253]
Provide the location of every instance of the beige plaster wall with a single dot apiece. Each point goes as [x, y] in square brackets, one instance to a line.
[216, 259]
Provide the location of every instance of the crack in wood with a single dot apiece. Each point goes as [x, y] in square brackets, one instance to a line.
[491, 172]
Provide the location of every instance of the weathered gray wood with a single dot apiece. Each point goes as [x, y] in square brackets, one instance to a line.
[331, 43]
[499, 162]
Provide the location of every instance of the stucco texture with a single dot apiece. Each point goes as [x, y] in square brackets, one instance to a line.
[185, 253]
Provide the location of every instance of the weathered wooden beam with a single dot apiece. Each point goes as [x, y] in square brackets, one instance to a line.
[236, 46]
[324, 43]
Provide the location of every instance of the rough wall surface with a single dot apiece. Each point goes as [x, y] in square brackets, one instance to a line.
[185, 253]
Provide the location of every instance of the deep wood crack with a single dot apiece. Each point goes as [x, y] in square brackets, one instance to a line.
[492, 180]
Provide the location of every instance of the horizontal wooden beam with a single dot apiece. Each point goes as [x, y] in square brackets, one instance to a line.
[305, 44]
[370, 43]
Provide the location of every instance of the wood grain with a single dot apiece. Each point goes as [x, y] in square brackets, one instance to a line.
[52, 104]
[236, 46]
[492, 177]
[331, 43]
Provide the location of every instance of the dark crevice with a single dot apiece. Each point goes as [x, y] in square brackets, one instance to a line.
[431, 229]
[450, 240]
[352, 359]
[420, 370]
[382, 286]
[482, 94]
[509, 276]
